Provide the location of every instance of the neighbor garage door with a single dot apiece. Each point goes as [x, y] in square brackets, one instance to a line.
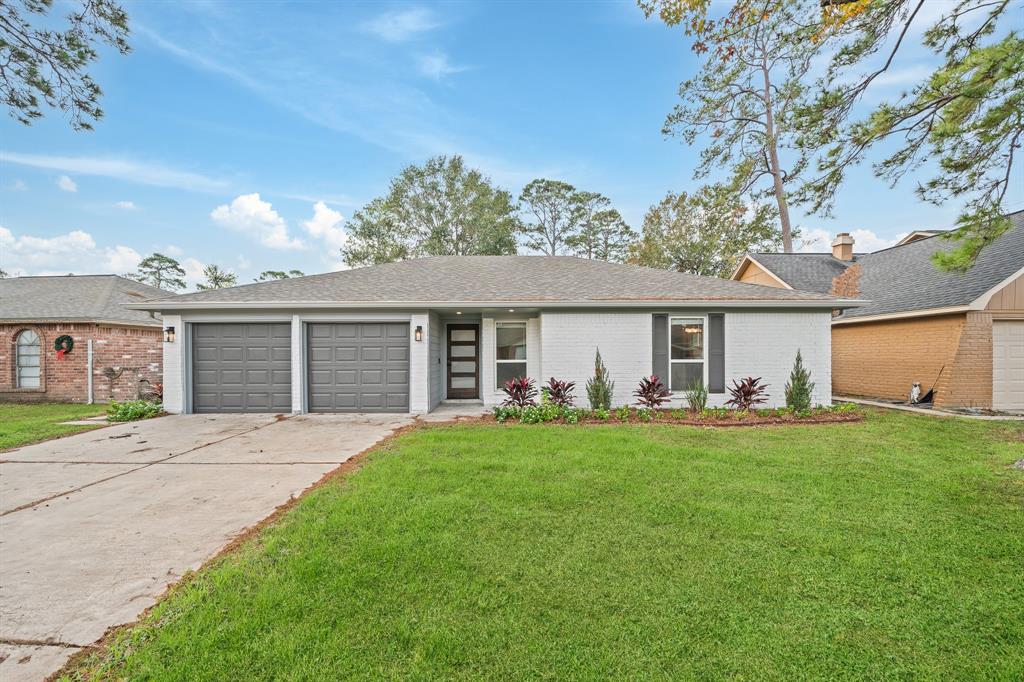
[358, 367]
[1008, 365]
[241, 368]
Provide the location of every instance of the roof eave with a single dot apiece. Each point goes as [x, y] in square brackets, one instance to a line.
[826, 303]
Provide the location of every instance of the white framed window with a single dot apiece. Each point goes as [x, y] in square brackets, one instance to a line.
[687, 352]
[509, 351]
[27, 359]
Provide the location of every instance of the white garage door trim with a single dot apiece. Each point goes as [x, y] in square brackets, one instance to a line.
[1008, 365]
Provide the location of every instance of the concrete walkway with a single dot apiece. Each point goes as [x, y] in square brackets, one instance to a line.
[95, 526]
[929, 411]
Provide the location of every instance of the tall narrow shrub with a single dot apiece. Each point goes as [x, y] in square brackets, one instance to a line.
[799, 387]
[600, 388]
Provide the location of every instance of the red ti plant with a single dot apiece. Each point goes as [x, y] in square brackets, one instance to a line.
[521, 392]
[748, 393]
[560, 392]
[652, 392]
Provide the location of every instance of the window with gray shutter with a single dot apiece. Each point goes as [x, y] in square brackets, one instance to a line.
[716, 353]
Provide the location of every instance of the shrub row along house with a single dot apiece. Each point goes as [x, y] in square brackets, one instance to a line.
[961, 335]
[403, 337]
[71, 339]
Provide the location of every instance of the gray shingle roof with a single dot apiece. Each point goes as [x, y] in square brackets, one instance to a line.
[903, 278]
[67, 298]
[806, 271]
[482, 279]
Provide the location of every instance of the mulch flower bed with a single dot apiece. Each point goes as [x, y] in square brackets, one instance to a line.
[709, 418]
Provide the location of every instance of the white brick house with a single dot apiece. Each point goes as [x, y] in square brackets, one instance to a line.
[404, 337]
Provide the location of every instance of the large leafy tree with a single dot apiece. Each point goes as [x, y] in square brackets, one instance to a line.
[217, 278]
[602, 234]
[160, 271]
[705, 233]
[964, 121]
[753, 75]
[268, 275]
[441, 208]
[551, 211]
[47, 64]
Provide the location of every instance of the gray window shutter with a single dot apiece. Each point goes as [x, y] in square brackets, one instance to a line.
[716, 353]
[659, 344]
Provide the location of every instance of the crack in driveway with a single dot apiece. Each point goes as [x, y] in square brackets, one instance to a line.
[29, 505]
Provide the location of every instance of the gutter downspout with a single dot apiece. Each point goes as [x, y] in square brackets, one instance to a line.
[88, 362]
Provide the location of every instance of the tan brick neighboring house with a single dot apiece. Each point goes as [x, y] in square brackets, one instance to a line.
[126, 345]
[961, 335]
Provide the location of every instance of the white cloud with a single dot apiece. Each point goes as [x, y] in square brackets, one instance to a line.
[403, 25]
[67, 184]
[17, 186]
[326, 225]
[173, 251]
[251, 215]
[119, 169]
[193, 271]
[75, 252]
[436, 66]
[864, 241]
[127, 205]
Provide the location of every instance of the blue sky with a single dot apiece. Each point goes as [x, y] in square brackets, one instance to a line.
[243, 134]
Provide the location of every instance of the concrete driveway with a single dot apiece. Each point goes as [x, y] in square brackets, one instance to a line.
[94, 527]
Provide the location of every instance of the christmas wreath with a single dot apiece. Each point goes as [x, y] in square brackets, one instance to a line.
[63, 345]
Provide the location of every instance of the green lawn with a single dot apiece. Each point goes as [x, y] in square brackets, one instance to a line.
[889, 549]
[23, 423]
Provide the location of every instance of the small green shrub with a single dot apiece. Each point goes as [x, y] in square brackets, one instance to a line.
[741, 414]
[679, 413]
[571, 416]
[644, 414]
[600, 388]
[507, 413]
[622, 413]
[696, 395]
[715, 413]
[132, 410]
[799, 387]
[602, 414]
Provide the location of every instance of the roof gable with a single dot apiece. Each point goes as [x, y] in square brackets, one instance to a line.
[903, 278]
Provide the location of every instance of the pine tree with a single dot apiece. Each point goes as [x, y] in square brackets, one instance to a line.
[799, 387]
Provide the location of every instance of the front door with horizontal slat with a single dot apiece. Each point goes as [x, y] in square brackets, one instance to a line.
[463, 361]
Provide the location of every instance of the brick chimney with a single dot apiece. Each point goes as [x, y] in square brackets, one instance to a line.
[842, 246]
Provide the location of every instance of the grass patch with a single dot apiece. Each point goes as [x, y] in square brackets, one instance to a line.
[889, 548]
[24, 423]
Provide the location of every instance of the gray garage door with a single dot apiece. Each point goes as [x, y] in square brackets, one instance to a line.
[241, 368]
[360, 367]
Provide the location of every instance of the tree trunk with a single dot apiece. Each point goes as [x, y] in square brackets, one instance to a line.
[773, 164]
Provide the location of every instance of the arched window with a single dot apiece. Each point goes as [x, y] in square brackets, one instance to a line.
[28, 359]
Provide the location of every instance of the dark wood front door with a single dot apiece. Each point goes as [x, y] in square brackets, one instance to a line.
[463, 361]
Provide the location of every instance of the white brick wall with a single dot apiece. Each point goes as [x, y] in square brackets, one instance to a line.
[436, 338]
[764, 344]
[570, 340]
[298, 376]
[174, 362]
[419, 365]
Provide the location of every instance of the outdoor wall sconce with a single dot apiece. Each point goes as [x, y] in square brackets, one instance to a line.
[419, 333]
[169, 334]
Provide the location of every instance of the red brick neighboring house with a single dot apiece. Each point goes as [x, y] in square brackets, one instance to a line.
[126, 345]
[961, 335]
